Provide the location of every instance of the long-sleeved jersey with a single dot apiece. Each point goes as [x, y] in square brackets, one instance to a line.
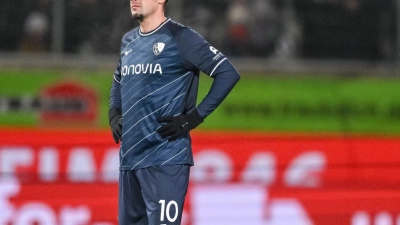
[157, 75]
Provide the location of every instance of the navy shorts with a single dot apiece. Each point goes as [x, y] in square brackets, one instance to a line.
[152, 196]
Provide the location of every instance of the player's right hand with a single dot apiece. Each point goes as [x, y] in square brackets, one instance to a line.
[115, 117]
[116, 127]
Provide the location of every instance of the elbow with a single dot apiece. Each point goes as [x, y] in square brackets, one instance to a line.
[237, 78]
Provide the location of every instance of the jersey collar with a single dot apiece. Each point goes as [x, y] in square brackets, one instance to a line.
[155, 30]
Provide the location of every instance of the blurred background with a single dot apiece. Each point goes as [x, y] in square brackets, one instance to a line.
[310, 134]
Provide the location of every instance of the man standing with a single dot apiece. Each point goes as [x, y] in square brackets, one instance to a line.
[153, 108]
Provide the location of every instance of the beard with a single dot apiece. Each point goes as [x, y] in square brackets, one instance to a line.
[138, 17]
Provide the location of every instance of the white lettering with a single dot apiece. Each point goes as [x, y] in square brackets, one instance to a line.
[261, 168]
[110, 166]
[383, 218]
[124, 71]
[81, 165]
[249, 203]
[228, 204]
[162, 202]
[214, 50]
[145, 68]
[360, 218]
[157, 69]
[48, 164]
[75, 216]
[9, 187]
[35, 213]
[168, 211]
[38, 212]
[138, 69]
[13, 157]
[131, 67]
[304, 170]
[212, 165]
[287, 211]
[148, 68]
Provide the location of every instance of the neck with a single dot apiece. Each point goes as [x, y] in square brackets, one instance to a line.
[150, 23]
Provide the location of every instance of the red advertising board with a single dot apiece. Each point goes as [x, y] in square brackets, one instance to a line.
[69, 177]
[68, 102]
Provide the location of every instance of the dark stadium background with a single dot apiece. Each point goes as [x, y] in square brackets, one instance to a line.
[310, 134]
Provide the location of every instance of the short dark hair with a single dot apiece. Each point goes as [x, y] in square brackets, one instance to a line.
[165, 2]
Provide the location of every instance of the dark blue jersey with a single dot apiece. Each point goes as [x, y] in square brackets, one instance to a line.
[157, 76]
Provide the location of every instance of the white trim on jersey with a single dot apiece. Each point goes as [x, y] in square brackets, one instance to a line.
[152, 32]
[173, 156]
[116, 80]
[217, 66]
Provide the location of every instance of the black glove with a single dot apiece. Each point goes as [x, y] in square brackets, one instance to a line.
[178, 125]
[115, 119]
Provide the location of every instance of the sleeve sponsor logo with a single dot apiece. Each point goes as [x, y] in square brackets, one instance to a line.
[217, 53]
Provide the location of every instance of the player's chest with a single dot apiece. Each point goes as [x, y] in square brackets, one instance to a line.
[148, 57]
[151, 50]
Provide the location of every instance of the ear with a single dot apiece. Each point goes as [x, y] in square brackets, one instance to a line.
[161, 1]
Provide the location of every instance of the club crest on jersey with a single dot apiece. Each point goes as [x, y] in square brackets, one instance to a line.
[158, 48]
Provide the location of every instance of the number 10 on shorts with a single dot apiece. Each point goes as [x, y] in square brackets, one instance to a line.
[165, 211]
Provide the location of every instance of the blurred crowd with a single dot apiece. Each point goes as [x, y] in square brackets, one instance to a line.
[90, 26]
[238, 27]
[263, 28]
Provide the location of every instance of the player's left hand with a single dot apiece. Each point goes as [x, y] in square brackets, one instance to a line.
[178, 125]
